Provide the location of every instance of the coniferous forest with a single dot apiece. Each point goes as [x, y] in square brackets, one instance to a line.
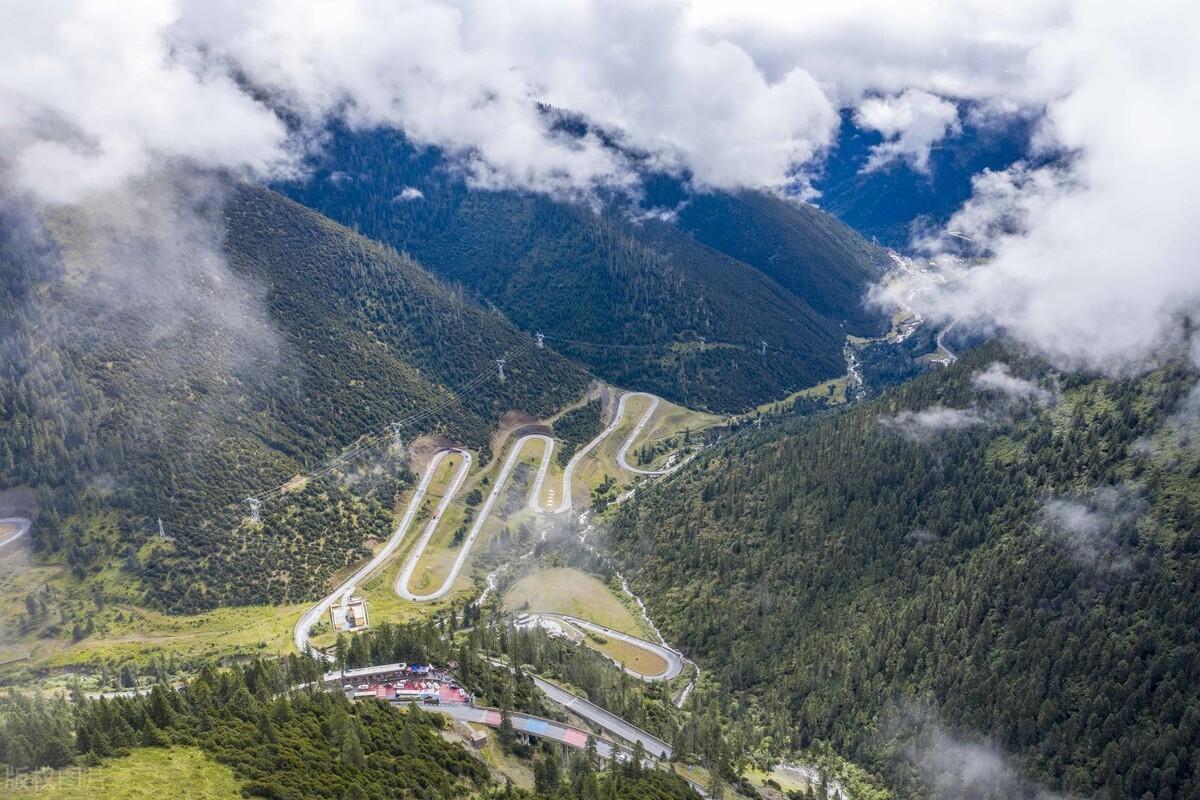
[1029, 573]
[115, 427]
[285, 739]
[676, 310]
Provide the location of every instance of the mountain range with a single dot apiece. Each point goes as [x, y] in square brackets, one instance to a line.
[675, 293]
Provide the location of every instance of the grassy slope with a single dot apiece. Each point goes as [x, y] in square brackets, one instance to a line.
[565, 590]
[147, 773]
[669, 423]
[630, 655]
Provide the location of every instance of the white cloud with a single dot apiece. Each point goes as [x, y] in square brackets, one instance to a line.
[998, 378]
[955, 767]
[408, 194]
[92, 95]
[952, 48]
[466, 76]
[930, 422]
[911, 123]
[97, 92]
[1093, 529]
[1092, 262]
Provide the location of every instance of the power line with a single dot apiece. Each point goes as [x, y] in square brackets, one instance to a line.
[762, 347]
[374, 439]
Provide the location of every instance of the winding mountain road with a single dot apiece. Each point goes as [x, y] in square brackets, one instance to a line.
[564, 504]
[623, 450]
[535, 493]
[310, 617]
[673, 659]
[481, 518]
[12, 529]
[313, 615]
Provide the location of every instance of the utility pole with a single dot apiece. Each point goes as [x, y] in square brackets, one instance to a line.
[702, 341]
[396, 434]
[764, 348]
[254, 506]
[162, 534]
[541, 338]
[500, 365]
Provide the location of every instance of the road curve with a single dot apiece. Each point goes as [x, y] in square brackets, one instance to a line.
[535, 494]
[480, 518]
[569, 471]
[951, 356]
[304, 625]
[673, 659]
[623, 450]
[22, 527]
[431, 527]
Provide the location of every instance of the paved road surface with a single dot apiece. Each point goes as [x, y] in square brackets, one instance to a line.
[480, 518]
[535, 494]
[431, 527]
[534, 726]
[569, 471]
[623, 450]
[310, 618]
[951, 356]
[619, 417]
[598, 716]
[548, 729]
[674, 660]
[22, 527]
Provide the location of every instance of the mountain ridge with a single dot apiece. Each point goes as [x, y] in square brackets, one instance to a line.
[615, 276]
[184, 425]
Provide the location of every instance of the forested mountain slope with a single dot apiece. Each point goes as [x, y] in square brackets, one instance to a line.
[737, 271]
[283, 741]
[1020, 559]
[808, 252]
[318, 337]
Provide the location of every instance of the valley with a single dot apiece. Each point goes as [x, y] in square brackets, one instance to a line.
[433, 565]
[444, 508]
[599, 401]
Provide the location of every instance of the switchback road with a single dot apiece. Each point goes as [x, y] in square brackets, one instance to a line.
[619, 417]
[480, 519]
[313, 615]
[623, 450]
